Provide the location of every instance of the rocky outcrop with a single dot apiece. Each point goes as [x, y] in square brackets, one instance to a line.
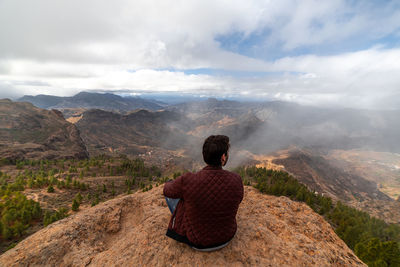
[27, 132]
[130, 231]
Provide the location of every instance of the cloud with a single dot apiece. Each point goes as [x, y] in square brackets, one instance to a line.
[7, 90]
[356, 79]
[150, 34]
[332, 23]
[325, 52]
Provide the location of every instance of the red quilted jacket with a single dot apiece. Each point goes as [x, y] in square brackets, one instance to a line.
[206, 214]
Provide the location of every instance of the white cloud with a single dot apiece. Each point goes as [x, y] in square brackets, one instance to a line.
[63, 47]
[353, 79]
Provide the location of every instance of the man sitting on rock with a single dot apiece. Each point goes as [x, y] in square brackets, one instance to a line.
[204, 204]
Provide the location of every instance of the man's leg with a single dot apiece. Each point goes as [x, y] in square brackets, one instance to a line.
[172, 203]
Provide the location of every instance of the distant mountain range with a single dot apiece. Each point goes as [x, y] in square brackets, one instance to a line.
[86, 100]
[175, 134]
[258, 127]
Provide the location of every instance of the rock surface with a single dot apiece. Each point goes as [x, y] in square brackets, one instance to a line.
[28, 132]
[130, 231]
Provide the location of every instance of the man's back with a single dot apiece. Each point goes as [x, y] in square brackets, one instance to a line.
[206, 216]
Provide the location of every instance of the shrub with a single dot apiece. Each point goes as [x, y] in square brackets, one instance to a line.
[50, 189]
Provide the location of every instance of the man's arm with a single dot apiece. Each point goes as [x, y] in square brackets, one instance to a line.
[174, 188]
[242, 191]
[240, 187]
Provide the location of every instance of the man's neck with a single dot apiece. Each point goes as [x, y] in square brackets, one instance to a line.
[213, 167]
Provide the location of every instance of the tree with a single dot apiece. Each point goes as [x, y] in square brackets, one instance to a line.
[96, 199]
[75, 205]
[78, 197]
[7, 232]
[50, 189]
[19, 229]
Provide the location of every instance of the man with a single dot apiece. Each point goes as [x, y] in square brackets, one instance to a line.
[204, 204]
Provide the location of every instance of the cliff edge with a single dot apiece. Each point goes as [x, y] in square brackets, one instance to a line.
[130, 231]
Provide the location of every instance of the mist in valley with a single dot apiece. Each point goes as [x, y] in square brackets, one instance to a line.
[104, 102]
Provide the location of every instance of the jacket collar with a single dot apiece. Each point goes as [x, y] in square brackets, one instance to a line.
[209, 167]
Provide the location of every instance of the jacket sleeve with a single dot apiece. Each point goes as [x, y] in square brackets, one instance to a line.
[174, 189]
[241, 189]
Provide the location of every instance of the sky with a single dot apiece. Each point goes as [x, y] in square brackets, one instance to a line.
[324, 53]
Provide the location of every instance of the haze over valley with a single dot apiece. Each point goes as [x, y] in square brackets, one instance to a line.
[101, 103]
[320, 145]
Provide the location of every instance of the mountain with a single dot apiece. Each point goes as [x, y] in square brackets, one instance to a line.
[325, 175]
[283, 123]
[86, 100]
[34, 133]
[134, 133]
[210, 117]
[160, 137]
[42, 101]
[196, 107]
[320, 175]
[130, 230]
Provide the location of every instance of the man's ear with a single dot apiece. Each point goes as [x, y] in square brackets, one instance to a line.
[223, 159]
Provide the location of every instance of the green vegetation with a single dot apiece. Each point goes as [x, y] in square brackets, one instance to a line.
[76, 202]
[52, 216]
[17, 214]
[75, 205]
[374, 241]
[50, 189]
[96, 200]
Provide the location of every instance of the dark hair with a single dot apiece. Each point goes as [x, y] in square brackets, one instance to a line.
[213, 149]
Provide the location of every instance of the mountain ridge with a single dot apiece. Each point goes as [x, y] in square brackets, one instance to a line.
[28, 132]
[88, 100]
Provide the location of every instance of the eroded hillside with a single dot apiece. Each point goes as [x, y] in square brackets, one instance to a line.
[34, 133]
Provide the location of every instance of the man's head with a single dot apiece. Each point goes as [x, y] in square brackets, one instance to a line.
[215, 150]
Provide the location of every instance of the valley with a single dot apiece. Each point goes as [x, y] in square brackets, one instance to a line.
[88, 153]
[382, 168]
[325, 174]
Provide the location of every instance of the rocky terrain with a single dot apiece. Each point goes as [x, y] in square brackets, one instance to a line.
[383, 168]
[134, 133]
[130, 230]
[320, 175]
[349, 183]
[283, 124]
[164, 133]
[389, 211]
[33, 133]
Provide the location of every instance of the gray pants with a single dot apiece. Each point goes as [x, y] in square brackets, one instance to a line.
[172, 203]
